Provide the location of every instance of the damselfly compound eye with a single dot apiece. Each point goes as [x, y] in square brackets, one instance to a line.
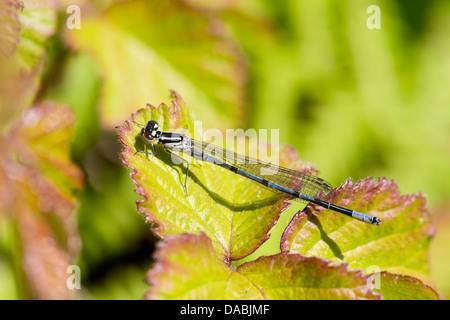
[150, 132]
[152, 125]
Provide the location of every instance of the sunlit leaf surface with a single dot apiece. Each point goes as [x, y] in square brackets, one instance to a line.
[9, 26]
[399, 245]
[24, 31]
[235, 212]
[187, 267]
[37, 184]
[400, 287]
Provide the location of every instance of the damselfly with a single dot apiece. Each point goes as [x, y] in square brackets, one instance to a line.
[293, 184]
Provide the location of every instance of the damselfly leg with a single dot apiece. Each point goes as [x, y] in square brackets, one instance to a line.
[187, 168]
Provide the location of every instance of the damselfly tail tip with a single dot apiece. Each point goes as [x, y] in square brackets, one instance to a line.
[366, 218]
[376, 221]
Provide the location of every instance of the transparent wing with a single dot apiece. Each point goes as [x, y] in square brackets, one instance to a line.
[305, 183]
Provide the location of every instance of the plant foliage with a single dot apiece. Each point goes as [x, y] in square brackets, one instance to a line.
[324, 254]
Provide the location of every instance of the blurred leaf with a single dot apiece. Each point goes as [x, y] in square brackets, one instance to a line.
[439, 253]
[121, 283]
[38, 19]
[24, 61]
[399, 245]
[114, 203]
[78, 88]
[37, 186]
[45, 261]
[145, 48]
[8, 288]
[188, 267]
[400, 287]
[205, 5]
[9, 26]
[236, 212]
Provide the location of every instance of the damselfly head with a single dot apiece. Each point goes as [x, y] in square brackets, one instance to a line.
[150, 133]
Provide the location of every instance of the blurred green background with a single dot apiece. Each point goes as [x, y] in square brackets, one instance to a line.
[354, 101]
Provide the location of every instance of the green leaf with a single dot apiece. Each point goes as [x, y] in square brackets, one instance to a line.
[37, 183]
[439, 253]
[235, 212]
[401, 287]
[24, 31]
[146, 48]
[9, 26]
[399, 245]
[188, 267]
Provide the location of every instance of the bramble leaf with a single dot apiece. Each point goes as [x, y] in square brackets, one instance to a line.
[188, 267]
[401, 287]
[37, 181]
[9, 26]
[399, 245]
[24, 31]
[235, 212]
[37, 178]
[145, 48]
